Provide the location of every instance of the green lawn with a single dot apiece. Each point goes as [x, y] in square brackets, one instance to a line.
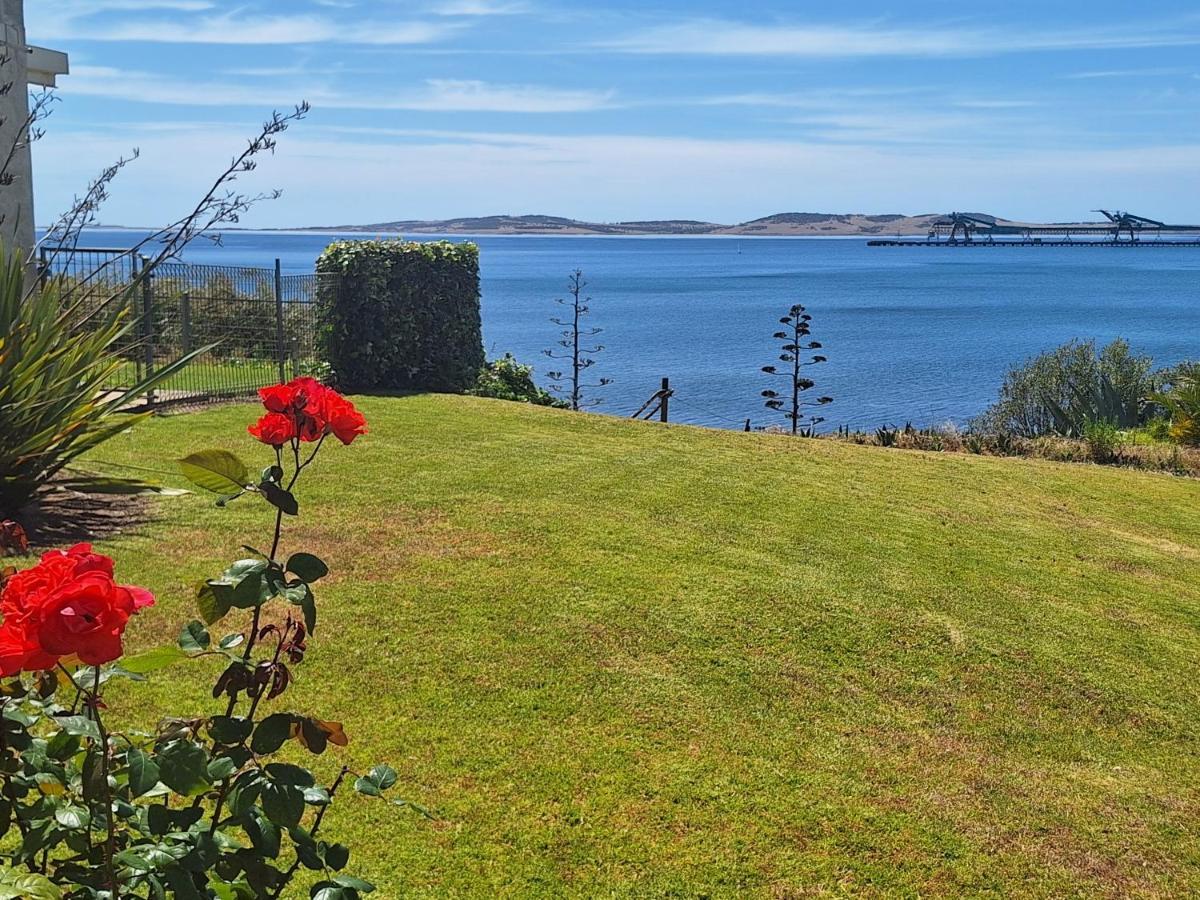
[227, 376]
[621, 659]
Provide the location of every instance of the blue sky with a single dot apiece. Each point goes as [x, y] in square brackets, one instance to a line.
[626, 110]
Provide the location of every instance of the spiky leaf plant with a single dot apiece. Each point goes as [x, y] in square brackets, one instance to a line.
[55, 368]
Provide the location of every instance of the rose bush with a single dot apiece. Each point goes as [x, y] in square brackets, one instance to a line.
[66, 605]
[201, 808]
[306, 409]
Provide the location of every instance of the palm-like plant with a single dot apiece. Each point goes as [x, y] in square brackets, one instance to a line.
[1182, 403]
[578, 356]
[795, 344]
[54, 366]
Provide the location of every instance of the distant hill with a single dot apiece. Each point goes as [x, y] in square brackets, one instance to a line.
[780, 224]
[529, 225]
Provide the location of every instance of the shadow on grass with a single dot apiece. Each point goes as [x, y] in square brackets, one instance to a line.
[62, 517]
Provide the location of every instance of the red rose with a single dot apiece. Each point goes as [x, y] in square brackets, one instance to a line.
[309, 427]
[306, 409]
[308, 391]
[302, 402]
[66, 605]
[57, 566]
[86, 618]
[311, 397]
[342, 419]
[274, 428]
[19, 651]
[279, 398]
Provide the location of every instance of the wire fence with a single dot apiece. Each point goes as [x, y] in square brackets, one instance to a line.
[258, 326]
[255, 326]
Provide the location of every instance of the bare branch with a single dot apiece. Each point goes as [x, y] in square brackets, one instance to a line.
[64, 235]
[220, 205]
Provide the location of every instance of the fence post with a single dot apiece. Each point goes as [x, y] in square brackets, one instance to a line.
[280, 348]
[148, 323]
[666, 399]
[185, 321]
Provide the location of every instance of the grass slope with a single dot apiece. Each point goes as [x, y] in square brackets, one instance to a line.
[623, 659]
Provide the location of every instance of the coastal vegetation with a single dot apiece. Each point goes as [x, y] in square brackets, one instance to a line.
[795, 354]
[1180, 399]
[1149, 448]
[578, 349]
[1076, 403]
[507, 379]
[1064, 390]
[647, 676]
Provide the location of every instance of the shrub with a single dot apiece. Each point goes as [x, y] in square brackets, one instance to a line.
[1102, 440]
[401, 315]
[934, 440]
[1059, 392]
[1155, 431]
[507, 379]
[203, 807]
[1182, 403]
[54, 366]
[1005, 443]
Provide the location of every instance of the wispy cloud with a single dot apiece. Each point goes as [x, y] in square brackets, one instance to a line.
[90, 7]
[433, 95]
[447, 95]
[1153, 72]
[820, 98]
[481, 8]
[878, 116]
[731, 38]
[149, 87]
[996, 104]
[893, 126]
[235, 28]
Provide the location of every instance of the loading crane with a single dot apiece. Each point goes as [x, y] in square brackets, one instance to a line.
[1134, 225]
[1121, 227]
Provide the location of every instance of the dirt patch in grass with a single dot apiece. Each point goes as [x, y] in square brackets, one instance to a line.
[395, 541]
[1131, 875]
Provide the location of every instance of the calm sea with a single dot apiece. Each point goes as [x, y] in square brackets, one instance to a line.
[920, 335]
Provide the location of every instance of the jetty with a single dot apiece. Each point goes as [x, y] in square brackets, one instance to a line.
[1122, 230]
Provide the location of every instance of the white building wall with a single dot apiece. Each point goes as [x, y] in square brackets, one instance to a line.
[16, 199]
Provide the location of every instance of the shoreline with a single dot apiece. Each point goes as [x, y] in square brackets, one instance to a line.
[414, 235]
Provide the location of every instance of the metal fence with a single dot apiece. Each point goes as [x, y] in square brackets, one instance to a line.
[259, 325]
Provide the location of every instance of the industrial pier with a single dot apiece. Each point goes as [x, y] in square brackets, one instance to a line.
[1122, 229]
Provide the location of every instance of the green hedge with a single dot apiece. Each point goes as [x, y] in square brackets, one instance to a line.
[401, 315]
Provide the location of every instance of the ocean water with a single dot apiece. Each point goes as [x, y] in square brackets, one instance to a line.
[920, 335]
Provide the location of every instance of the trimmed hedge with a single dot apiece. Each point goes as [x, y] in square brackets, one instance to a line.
[401, 315]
